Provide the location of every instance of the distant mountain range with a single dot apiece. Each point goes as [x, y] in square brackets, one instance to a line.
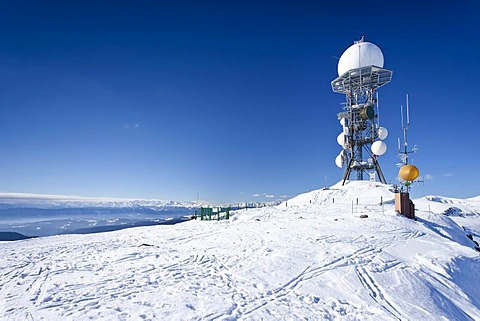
[12, 236]
[41, 215]
[13, 200]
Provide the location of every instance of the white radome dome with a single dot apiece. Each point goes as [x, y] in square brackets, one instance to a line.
[359, 55]
[379, 148]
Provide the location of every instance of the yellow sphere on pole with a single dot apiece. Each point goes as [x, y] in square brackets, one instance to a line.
[408, 172]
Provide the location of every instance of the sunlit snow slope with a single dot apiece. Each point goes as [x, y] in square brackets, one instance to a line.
[312, 257]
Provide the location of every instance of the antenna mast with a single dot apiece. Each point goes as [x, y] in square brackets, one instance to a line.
[408, 173]
[361, 73]
[405, 125]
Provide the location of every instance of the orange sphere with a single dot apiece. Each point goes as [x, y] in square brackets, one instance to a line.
[408, 172]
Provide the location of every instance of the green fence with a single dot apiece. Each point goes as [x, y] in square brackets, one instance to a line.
[214, 213]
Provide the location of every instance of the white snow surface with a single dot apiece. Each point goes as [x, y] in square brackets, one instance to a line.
[312, 258]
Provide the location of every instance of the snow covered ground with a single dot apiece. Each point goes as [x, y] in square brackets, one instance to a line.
[312, 258]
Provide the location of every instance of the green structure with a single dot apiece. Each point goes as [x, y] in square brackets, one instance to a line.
[217, 213]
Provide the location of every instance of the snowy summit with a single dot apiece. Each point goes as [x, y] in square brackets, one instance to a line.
[312, 257]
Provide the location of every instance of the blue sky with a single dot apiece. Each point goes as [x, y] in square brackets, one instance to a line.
[153, 99]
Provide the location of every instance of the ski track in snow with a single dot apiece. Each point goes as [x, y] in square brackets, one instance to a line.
[303, 261]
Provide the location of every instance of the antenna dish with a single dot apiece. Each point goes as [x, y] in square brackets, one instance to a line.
[339, 161]
[361, 54]
[382, 133]
[379, 148]
[367, 113]
[341, 139]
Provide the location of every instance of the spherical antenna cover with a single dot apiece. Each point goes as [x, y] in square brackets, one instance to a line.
[382, 133]
[408, 172]
[379, 148]
[359, 55]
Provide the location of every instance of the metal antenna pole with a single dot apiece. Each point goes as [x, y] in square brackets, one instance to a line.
[406, 117]
[408, 114]
[378, 110]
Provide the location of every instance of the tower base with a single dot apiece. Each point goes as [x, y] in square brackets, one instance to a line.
[361, 169]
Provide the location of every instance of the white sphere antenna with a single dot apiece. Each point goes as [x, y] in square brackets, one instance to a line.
[360, 54]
